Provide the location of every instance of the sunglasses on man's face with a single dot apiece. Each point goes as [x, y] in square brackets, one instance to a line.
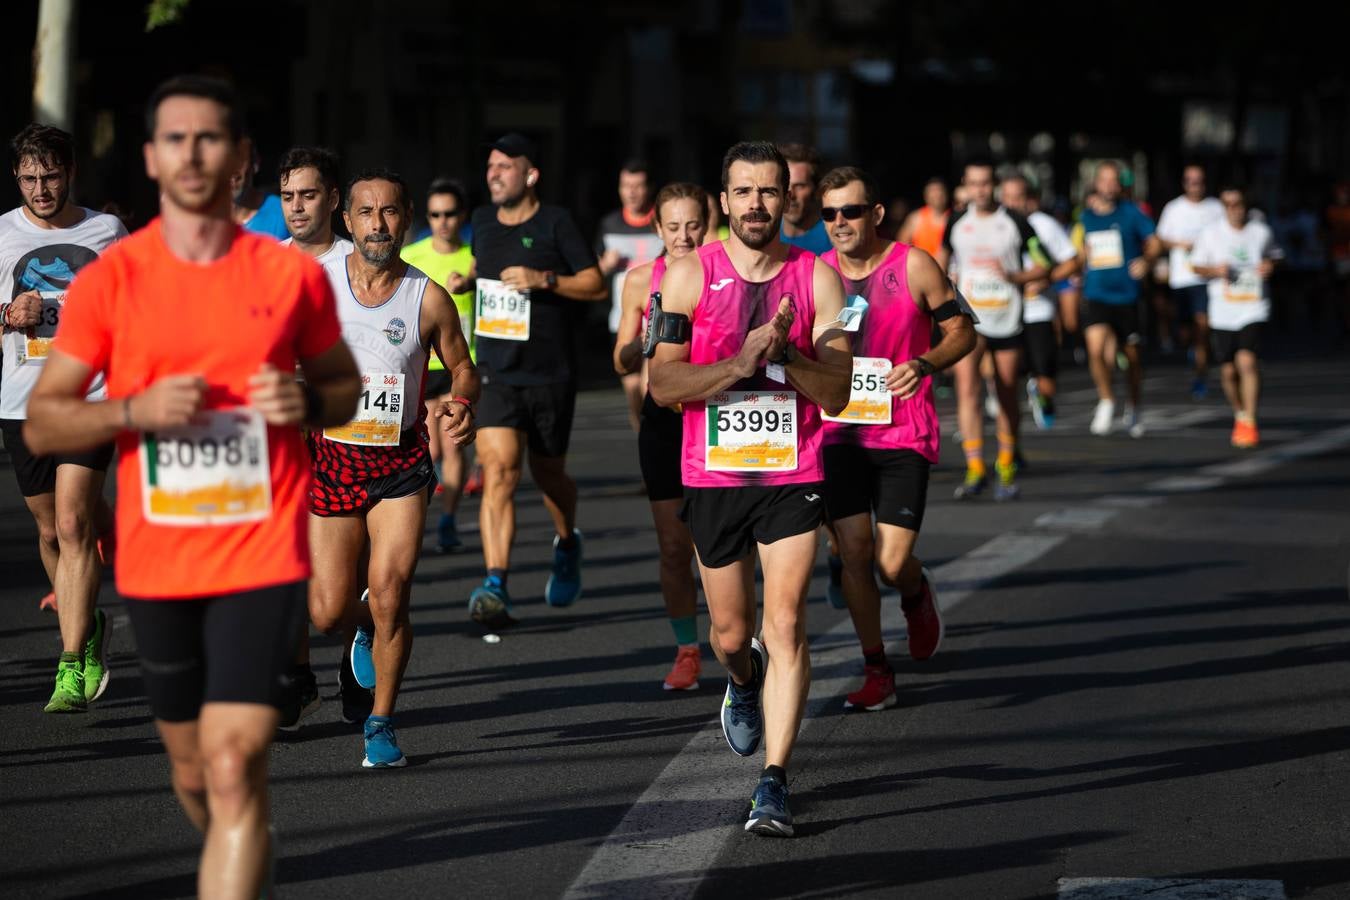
[447, 214]
[852, 212]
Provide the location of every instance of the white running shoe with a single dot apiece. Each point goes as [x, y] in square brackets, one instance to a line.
[1101, 418]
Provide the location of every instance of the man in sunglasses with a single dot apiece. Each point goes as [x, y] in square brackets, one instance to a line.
[449, 262]
[43, 243]
[879, 449]
[983, 252]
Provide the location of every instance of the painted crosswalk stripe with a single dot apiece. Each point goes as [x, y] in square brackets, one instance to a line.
[1170, 889]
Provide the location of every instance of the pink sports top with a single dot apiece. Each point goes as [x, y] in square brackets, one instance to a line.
[758, 431]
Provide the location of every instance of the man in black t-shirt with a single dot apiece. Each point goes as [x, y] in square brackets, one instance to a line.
[533, 264]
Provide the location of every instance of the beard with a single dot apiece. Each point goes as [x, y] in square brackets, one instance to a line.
[378, 249]
[309, 232]
[194, 202]
[739, 226]
[60, 198]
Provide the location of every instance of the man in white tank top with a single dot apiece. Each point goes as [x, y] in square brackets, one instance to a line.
[372, 476]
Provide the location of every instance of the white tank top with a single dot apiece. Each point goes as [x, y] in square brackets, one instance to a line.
[386, 341]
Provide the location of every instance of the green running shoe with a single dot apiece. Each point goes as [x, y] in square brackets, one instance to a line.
[95, 655]
[69, 694]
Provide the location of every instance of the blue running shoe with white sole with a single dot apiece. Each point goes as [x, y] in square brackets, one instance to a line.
[564, 585]
[769, 813]
[363, 652]
[490, 604]
[381, 745]
[742, 719]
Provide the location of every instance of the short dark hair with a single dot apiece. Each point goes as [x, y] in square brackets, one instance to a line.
[202, 86]
[801, 153]
[44, 144]
[1230, 187]
[754, 152]
[938, 180]
[1021, 179]
[376, 175]
[449, 186]
[834, 179]
[981, 162]
[634, 165]
[321, 159]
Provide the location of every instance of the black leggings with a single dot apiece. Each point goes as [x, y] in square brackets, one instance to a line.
[228, 648]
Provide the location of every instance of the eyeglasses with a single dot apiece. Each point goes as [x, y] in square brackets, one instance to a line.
[852, 211]
[447, 214]
[29, 182]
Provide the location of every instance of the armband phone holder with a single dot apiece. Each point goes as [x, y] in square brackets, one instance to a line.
[663, 327]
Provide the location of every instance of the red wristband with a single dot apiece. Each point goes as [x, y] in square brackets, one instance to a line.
[464, 401]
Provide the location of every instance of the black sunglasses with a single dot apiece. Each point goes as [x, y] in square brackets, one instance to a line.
[852, 211]
[443, 215]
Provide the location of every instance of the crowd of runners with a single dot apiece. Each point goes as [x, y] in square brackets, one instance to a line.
[284, 403]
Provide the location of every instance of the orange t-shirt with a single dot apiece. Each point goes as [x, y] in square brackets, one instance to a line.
[928, 230]
[140, 313]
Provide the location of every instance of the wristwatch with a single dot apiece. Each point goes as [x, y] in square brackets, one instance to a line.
[787, 357]
[925, 367]
[551, 279]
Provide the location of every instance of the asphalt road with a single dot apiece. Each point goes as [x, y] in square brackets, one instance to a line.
[1144, 677]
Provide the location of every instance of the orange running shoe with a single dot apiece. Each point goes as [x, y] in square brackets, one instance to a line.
[684, 674]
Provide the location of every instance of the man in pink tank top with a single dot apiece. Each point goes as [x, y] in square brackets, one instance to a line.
[764, 356]
[878, 451]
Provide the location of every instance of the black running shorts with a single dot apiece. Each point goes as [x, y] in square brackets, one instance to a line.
[230, 648]
[893, 484]
[726, 523]
[1042, 349]
[1226, 344]
[543, 411]
[1122, 318]
[37, 474]
[660, 443]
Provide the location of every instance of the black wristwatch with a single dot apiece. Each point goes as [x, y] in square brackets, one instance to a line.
[786, 358]
[551, 279]
[925, 367]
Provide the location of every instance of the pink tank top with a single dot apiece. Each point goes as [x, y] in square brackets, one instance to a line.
[894, 329]
[741, 436]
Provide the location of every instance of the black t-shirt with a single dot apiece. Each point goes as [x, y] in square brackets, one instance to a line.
[547, 241]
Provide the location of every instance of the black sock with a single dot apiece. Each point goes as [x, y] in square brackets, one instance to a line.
[569, 543]
[499, 574]
[875, 656]
[777, 773]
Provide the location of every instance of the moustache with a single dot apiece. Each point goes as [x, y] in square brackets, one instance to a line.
[378, 238]
[755, 217]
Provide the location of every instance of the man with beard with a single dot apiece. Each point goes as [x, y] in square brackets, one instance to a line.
[762, 358]
[310, 194]
[372, 475]
[533, 265]
[199, 326]
[43, 243]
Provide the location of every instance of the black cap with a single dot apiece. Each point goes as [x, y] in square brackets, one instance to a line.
[515, 144]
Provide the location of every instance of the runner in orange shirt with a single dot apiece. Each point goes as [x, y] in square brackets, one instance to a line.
[198, 326]
[925, 226]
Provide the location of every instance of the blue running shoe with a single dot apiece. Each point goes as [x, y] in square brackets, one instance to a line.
[381, 746]
[490, 604]
[356, 700]
[769, 813]
[363, 657]
[447, 535]
[834, 587]
[1199, 389]
[742, 719]
[564, 585]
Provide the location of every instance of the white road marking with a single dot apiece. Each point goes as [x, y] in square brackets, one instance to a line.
[1256, 464]
[1170, 889]
[675, 830]
[1077, 518]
